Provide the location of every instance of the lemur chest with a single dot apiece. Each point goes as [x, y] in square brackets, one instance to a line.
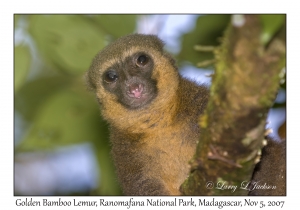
[171, 151]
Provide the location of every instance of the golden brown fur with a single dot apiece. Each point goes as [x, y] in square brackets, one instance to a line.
[153, 131]
[151, 145]
[159, 150]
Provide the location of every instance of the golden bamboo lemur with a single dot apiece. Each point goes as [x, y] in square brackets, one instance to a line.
[152, 111]
[271, 169]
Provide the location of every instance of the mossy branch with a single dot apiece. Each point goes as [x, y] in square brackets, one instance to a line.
[244, 86]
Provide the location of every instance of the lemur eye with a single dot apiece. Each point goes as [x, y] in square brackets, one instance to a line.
[142, 60]
[110, 76]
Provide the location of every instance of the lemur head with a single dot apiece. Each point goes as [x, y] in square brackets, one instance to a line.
[132, 74]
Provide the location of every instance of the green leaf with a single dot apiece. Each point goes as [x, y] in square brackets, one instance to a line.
[270, 25]
[207, 32]
[68, 42]
[30, 98]
[66, 117]
[22, 61]
[16, 19]
[116, 25]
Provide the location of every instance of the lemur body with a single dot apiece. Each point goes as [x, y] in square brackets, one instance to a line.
[153, 113]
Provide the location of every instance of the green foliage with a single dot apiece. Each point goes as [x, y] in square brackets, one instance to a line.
[30, 98]
[55, 103]
[22, 63]
[63, 114]
[64, 117]
[208, 30]
[16, 20]
[107, 23]
[68, 42]
[271, 24]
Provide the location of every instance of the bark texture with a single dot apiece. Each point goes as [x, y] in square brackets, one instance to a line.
[244, 86]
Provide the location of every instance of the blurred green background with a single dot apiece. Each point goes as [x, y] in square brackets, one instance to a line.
[61, 142]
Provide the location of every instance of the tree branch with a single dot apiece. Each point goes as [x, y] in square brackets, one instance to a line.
[244, 86]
